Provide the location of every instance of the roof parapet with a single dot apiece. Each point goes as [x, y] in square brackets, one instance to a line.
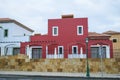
[67, 16]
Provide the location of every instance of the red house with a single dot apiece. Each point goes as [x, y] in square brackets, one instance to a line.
[66, 39]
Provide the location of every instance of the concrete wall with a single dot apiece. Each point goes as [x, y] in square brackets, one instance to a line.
[23, 63]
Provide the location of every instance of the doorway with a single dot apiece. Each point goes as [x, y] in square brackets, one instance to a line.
[36, 53]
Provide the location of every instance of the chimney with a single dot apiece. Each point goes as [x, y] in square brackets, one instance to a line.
[68, 16]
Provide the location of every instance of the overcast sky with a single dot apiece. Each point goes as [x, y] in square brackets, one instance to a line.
[102, 15]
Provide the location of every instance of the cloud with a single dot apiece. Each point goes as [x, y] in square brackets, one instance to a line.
[35, 13]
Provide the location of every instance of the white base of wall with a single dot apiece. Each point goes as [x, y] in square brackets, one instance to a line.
[77, 56]
[54, 56]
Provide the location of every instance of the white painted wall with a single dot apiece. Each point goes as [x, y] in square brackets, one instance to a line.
[15, 33]
[107, 51]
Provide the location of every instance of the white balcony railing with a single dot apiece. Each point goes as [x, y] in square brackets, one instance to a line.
[76, 55]
[54, 56]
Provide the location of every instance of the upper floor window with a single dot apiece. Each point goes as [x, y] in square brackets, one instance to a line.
[114, 40]
[55, 31]
[6, 33]
[0, 26]
[79, 30]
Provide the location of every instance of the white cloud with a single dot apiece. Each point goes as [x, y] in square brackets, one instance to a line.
[35, 13]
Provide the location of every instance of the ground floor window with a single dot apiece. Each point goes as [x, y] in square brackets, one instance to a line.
[60, 50]
[74, 49]
[104, 51]
[36, 53]
[97, 52]
[16, 51]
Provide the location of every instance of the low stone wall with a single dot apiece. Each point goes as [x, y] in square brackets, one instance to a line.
[23, 63]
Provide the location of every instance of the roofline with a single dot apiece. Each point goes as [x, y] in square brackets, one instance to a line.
[99, 35]
[68, 18]
[16, 22]
[111, 33]
[23, 26]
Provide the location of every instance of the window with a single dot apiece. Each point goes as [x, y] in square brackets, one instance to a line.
[55, 31]
[0, 26]
[79, 30]
[36, 53]
[16, 51]
[60, 50]
[97, 51]
[24, 34]
[104, 52]
[6, 33]
[74, 49]
[114, 40]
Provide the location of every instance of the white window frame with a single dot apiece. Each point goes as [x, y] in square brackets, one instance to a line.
[53, 32]
[78, 30]
[62, 49]
[73, 49]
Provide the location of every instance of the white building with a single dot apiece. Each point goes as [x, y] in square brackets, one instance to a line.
[11, 34]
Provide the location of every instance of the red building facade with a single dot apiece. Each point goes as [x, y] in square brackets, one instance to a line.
[65, 39]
